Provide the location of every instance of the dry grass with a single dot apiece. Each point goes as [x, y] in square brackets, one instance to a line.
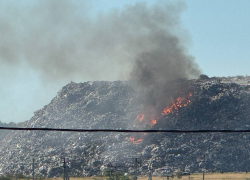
[209, 176]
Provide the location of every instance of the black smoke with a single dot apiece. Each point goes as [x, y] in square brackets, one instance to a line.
[64, 40]
[61, 39]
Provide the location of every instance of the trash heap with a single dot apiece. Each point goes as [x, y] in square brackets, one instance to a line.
[215, 104]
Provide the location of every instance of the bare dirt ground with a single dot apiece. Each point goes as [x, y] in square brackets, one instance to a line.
[208, 176]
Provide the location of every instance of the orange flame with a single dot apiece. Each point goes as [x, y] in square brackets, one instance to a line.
[138, 141]
[149, 113]
[140, 117]
[179, 102]
[176, 104]
[153, 121]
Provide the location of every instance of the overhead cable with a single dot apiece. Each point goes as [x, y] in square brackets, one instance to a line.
[130, 130]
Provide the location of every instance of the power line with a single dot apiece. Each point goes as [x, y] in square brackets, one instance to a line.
[129, 130]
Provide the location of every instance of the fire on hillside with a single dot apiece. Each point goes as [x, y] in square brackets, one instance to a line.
[148, 116]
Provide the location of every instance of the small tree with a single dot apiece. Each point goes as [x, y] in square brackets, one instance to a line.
[115, 175]
[5, 177]
[20, 176]
[179, 174]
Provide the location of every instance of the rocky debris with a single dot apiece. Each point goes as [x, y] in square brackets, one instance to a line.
[115, 105]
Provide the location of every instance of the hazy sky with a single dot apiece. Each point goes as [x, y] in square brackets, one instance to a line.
[214, 32]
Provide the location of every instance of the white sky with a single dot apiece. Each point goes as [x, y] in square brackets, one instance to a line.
[219, 32]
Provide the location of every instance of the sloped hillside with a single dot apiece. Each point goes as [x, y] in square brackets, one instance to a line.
[195, 104]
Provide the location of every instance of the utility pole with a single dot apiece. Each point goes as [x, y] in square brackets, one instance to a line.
[150, 174]
[113, 168]
[65, 174]
[33, 169]
[110, 174]
[135, 178]
[203, 172]
[115, 173]
[136, 165]
[110, 171]
[64, 169]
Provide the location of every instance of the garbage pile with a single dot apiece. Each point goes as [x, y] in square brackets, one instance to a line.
[212, 104]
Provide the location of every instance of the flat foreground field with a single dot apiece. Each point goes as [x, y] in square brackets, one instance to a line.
[208, 176]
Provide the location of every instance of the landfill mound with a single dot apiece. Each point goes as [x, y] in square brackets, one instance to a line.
[199, 104]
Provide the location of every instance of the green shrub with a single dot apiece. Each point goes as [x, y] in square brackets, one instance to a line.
[5, 177]
[115, 175]
[179, 174]
[20, 176]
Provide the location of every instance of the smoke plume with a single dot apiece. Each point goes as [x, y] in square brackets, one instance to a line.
[60, 40]
[64, 40]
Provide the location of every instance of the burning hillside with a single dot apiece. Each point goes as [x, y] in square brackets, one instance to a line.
[198, 104]
[150, 117]
[172, 108]
[145, 46]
